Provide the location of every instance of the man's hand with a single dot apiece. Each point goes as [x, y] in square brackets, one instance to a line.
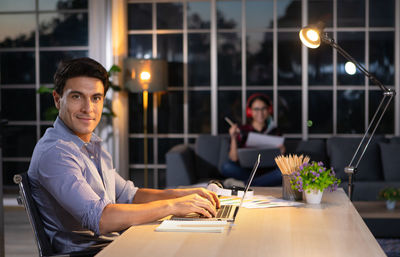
[193, 203]
[207, 194]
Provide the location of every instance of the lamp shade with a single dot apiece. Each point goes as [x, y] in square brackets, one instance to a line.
[145, 75]
[310, 36]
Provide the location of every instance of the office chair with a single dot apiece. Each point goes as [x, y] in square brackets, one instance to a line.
[42, 241]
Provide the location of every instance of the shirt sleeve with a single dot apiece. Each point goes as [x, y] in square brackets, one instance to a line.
[125, 190]
[61, 174]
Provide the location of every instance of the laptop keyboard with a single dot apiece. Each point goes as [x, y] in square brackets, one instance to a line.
[224, 211]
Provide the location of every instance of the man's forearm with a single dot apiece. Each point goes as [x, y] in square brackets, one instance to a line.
[145, 195]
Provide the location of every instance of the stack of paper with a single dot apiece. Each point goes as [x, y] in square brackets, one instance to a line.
[192, 226]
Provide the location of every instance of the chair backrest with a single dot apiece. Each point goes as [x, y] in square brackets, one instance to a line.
[42, 240]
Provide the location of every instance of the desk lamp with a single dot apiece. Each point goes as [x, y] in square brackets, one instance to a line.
[312, 36]
[145, 76]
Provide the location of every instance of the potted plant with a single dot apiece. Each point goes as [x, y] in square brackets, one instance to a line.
[391, 195]
[312, 179]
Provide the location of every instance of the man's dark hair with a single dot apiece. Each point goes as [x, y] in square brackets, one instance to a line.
[80, 67]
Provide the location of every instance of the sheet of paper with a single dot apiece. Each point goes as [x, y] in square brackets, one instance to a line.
[259, 201]
[261, 140]
[192, 226]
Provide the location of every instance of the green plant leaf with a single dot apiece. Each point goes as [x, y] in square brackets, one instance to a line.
[45, 90]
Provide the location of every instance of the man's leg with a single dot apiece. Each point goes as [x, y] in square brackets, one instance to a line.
[272, 178]
[231, 169]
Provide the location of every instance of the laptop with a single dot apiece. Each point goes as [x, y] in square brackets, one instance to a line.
[226, 212]
[248, 155]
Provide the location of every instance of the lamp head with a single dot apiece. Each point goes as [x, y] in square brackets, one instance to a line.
[310, 35]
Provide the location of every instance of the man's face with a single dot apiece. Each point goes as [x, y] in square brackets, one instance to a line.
[81, 105]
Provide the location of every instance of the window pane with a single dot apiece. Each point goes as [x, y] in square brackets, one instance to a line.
[43, 129]
[381, 13]
[198, 14]
[140, 46]
[50, 60]
[63, 29]
[47, 107]
[18, 104]
[229, 105]
[289, 111]
[164, 145]
[320, 10]
[320, 111]
[353, 43]
[13, 71]
[170, 48]
[19, 141]
[381, 56]
[17, 30]
[169, 16]
[229, 59]
[140, 16]
[350, 114]
[259, 14]
[289, 59]
[137, 176]
[62, 4]
[12, 168]
[259, 58]
[199, 59]
[136, 113]
[136, 150]
[320, 70]
[20, 5]
[387, 123]
[170, 113]
[289, 13]
[199, 110]
[351, 13]
[229, 14]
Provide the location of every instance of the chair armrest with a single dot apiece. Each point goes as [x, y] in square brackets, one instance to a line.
[180, 166]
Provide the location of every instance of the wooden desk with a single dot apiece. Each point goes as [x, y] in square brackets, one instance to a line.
[333, 228]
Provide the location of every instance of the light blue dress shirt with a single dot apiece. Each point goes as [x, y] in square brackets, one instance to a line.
[72, 181]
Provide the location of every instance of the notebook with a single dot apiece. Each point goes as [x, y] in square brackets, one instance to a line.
[248, 155]
[226, 212]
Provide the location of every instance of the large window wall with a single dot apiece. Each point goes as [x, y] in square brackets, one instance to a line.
[219, 52]
[34, 36]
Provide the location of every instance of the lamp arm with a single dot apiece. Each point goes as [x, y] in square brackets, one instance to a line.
[388, 95]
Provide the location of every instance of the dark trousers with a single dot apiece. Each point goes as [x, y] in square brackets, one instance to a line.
[232, 169]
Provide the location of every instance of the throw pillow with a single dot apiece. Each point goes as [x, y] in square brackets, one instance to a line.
[390, 161]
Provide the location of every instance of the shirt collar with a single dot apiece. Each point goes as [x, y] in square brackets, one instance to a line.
[60, 126]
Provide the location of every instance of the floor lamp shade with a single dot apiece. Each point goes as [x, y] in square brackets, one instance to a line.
[149, 75]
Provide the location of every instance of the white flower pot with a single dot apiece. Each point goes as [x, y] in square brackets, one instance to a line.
[314, 196]
[390, 205]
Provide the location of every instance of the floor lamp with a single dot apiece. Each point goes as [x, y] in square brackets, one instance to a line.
[145, 76]
[312, 36]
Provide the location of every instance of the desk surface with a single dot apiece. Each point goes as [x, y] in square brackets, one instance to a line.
[333, 228]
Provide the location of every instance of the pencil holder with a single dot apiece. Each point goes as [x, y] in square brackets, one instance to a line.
[287, 192]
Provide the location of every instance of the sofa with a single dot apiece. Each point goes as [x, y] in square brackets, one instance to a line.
[379, 168]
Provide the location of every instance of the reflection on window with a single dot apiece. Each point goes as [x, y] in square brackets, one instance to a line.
[198, 14]
[17, 30]
[229, 14]
[199, 110]
[320, 65]
[289, 13]
[259, 58]
[229, 59]
[140, 46]
[229, 105]
[169, 16]
[381, 13]
[350, 115]
[170, 48]
[14, 6]
[259, 14]
[354, 44]
[351, 13]
[63, 29]
[289, 59]
[62, 4]
[199, 59]
[381, 56]
[320, 111]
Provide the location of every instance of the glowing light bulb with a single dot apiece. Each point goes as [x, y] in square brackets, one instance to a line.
[312, 35]
[144, 75]
[350, 68]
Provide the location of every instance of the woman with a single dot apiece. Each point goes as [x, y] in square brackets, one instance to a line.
[259, 120]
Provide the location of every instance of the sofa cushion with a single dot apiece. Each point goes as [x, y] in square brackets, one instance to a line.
[340, 151]
[314, 148]
[224, 151]
[390, 161]
[395, 140]
[207, 150]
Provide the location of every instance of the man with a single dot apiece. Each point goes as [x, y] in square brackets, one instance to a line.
[80, 196]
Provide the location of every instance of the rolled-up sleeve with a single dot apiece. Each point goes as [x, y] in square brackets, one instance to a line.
[125, 189]
[61, 173]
